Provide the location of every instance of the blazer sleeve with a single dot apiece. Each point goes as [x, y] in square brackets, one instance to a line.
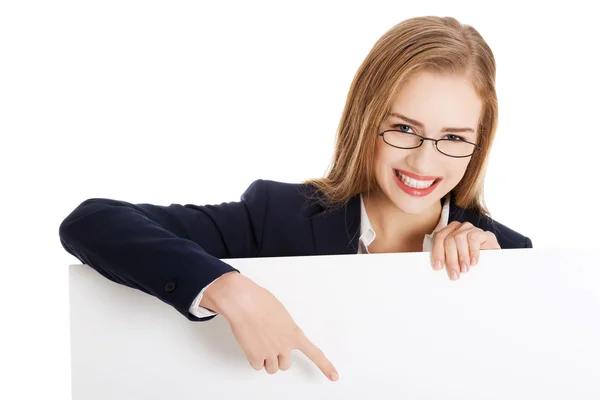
[170, 252]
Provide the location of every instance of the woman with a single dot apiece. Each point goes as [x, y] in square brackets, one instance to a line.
[407, 175]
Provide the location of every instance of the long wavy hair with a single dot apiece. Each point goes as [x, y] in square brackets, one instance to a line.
[439, 44]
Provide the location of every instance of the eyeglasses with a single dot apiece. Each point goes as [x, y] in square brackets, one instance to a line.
[457, 148]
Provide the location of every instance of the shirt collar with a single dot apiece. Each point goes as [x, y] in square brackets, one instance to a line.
[368, 235]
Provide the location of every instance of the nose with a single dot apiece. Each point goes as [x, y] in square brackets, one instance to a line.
[422, 159]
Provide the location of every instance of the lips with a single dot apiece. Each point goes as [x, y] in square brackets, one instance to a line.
[417, 176]
[424, 184]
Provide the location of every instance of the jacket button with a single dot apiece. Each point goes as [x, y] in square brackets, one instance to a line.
[169, 287]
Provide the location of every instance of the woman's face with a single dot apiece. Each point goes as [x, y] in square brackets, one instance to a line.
[434, 106]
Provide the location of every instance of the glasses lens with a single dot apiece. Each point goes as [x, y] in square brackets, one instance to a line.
[456, 148]
[402, 139]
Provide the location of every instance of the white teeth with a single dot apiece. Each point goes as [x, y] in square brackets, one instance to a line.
[413, 182]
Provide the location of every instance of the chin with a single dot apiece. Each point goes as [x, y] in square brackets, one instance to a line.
[413, 206]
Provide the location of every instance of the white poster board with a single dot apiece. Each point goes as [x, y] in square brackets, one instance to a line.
[523, 324]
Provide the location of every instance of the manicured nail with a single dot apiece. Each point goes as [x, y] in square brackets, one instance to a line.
[438, 265]
[473, 261]
[333, 376]
[454, 275]
[464, 267]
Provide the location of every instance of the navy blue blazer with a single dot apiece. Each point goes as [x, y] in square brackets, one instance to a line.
[172, 252]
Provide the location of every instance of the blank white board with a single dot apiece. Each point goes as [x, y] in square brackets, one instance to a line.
[522, 324]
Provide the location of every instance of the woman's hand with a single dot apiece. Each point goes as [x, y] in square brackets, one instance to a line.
[457, 247]
[262, 326]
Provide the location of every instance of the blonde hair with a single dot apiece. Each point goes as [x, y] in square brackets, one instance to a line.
[440, 44]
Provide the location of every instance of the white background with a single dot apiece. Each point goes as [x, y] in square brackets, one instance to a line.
[189, 102]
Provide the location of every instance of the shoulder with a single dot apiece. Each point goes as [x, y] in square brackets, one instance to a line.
[507, 237]
[281, 194]
[264, 187]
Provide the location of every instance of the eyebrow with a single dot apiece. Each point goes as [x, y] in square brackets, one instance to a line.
[420, 124]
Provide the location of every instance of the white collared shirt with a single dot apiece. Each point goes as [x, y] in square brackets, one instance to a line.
[367, 236]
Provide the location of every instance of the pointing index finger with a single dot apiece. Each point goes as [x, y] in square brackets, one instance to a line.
[316, 356]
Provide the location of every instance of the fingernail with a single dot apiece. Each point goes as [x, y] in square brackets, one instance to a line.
[438, 265]
[473, 261]
[333, 376]
[464, 267]
[454, 275]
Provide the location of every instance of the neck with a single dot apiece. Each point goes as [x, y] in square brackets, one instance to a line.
[397, 230]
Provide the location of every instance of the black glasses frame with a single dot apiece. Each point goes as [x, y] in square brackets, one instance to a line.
[423, 139]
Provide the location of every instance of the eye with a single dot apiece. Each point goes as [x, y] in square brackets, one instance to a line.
[402, 127]
[455, 138]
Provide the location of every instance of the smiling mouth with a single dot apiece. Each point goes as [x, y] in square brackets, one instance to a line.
[416, 183]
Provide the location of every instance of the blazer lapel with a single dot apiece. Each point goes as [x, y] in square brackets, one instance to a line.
[337, 231]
